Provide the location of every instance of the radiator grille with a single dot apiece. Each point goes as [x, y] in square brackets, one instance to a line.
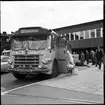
[26, 60]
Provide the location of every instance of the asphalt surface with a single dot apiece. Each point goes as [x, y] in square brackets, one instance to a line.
[8, 81]
[41, 94]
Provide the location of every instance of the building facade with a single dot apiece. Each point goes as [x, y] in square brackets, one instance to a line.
[5, 43]
[84, 36]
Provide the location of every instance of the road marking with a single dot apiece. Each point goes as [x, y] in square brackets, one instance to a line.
[62, 75]
[3, 93]
[83, 101]
[68, 99]
[57, 98]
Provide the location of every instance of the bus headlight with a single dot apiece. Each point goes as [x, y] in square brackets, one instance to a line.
[42, 66]
[10, 61]
[46, 61]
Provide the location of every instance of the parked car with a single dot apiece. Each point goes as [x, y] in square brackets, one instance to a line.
[6, 52]
[4, 63]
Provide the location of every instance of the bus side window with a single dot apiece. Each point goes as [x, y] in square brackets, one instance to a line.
[53, 42]
[62, 42]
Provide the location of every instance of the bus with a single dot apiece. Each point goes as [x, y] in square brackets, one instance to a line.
[36, 50]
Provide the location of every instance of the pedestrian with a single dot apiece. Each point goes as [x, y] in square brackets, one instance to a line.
[71, 64]
[92, 53]
[99, 56]
[87, 56]
[82, 58]
[104, 59]
[79, 55]
[96, 58]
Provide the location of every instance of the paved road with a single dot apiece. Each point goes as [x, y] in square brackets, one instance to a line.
[63, 89]
[41, 94]
[8, 81]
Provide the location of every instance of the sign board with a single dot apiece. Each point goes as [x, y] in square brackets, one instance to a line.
[29, 31]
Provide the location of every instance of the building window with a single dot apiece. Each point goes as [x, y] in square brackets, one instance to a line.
[87, 34]
[77, 35]
[72, 36]
[98, 32]
[81, 34]
[67, 36]
[92, 33]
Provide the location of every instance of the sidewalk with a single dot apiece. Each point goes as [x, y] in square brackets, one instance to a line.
[86, 87]
[89, 80]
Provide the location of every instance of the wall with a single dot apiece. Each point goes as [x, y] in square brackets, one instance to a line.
[87, 43]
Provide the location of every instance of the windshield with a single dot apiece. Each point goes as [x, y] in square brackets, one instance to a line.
[31, 43]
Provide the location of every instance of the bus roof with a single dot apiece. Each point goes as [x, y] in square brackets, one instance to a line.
[33, 28]
[32, 31]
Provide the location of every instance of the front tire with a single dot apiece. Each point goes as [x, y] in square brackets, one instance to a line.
[19, 76]
[70, 71]
[54, 69]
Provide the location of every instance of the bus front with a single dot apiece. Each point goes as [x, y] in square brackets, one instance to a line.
[29, 51]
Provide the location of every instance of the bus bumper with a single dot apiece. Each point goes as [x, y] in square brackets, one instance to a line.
[29, 71]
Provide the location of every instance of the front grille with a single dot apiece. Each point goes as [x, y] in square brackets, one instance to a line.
[26, 60]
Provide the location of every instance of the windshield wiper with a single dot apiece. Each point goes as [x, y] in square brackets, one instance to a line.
[26, 42]
[42, 45]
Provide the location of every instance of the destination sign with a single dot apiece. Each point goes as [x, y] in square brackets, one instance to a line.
[29, 30]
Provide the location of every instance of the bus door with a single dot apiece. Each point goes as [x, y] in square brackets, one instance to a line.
[61, 54]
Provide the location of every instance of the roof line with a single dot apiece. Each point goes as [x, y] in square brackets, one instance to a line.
[96, 21]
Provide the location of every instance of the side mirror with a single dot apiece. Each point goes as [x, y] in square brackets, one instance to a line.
[49, 48]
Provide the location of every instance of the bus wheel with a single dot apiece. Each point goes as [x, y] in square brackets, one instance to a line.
[19, 76]
[54, 69]
[70, 72]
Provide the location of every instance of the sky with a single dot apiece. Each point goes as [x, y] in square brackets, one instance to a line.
[48, 14]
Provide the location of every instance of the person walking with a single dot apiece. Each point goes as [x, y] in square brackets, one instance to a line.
[92, 53]
[82, 58]
[99, 56]
[104, 59]
[96, 58]
[87, 57]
